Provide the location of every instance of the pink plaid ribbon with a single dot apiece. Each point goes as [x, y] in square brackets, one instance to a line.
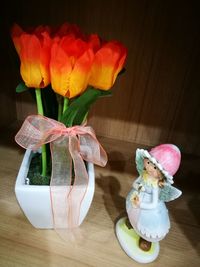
[68, 145]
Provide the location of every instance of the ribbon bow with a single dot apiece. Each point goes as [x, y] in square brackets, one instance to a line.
[68, 145]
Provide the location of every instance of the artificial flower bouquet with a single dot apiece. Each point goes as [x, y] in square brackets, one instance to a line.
[66, 71]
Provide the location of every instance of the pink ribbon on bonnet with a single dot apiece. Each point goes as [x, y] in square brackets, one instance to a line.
[74, 144]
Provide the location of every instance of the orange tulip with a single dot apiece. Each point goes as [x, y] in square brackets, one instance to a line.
[94, 42]
[71, 60]
[108, 62]
[68, 29]
[34, 52]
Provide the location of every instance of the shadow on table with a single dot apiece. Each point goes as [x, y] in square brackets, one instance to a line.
[114, 202]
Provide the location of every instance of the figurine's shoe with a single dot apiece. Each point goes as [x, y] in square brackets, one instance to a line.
[129, 241]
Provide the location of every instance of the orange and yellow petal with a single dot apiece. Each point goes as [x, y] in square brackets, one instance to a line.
[69, 70]
[73, 47]
[94, 42]
[108, 62]
[80, 74]
[68, 29]
[30, 60]
[46, 43]
[60, 69]
[16, 32]
[31, 75]
[120, 65]
[34, 53]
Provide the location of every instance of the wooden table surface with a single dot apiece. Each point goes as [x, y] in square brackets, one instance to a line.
[22, 245]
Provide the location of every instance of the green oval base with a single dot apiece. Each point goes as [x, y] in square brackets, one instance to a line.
[129, 240]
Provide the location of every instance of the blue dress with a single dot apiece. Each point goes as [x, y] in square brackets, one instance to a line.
[150, 217]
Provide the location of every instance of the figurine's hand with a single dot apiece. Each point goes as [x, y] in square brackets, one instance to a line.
[139, 187]
[135, 200]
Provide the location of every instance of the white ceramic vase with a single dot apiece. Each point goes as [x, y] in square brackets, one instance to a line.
[35, 200]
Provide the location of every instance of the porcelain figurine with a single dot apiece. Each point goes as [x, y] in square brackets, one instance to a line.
[148, 221]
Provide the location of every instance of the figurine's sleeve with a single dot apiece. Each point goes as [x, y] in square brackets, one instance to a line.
[153, 203]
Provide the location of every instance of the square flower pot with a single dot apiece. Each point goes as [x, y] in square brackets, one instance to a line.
[35, 200]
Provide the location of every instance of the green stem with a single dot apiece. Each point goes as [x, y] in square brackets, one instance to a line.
[85, 118]
[41, 112]
[65, 105]
[39, 101]
[59, 108]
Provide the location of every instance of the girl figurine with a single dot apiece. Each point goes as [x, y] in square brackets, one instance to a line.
[148, 220]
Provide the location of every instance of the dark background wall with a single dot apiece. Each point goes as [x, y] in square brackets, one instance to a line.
[157, 99]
